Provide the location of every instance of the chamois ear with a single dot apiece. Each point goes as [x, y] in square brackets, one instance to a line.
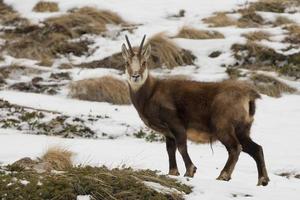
[125, 52]
[147, 51]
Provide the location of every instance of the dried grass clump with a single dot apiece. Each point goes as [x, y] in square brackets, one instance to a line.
[104, 89]
[277, 6]
[9, 17]
[55, 38]
[257, 35]
[253, 53]
[57, 158]
[96, 182]
[270, 86]
[293, 34]
[165, 52]
[192, 33]
[219, 19]
[249, 19]
[280, 20]
[46, 6]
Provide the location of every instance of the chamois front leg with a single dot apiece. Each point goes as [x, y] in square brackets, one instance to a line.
[171, 149]
[181, 142]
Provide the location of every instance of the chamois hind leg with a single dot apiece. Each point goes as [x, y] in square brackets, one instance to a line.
[171, 149]
[228, 139]
[256, 152]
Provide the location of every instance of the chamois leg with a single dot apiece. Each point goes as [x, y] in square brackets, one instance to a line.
[229, 140]
[256, 152]
[171, 149]
[181, 141]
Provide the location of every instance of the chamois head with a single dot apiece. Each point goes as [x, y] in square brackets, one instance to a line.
[136, 67]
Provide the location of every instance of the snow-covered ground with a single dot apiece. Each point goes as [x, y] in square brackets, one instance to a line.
[276, 125]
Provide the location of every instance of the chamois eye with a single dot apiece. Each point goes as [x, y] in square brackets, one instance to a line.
[143, 63]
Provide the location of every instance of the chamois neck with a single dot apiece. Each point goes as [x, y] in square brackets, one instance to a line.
[140, 96]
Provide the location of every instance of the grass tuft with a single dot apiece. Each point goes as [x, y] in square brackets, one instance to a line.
[192, 33]
[59, 35]
[164, 53]
[104, 89]
[46, 6]
[57, 158]
[281, 20]
[97, 182]
[219, 19]
[257, 35]
[270, 86]
[9, 17]
[249, 19]
[167, 53]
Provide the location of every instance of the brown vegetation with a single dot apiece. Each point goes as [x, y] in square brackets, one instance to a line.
[219, 19]
[270, 86]
[253, 53]
[95, 182]
[104, 89]
[57, 158]
[44, 43]
[280, 20]
[257, 35]
[46, 6]
[277, 6]
[9, 17]
[192, 33]
[164, 52]
[294, 34]
[249, 19]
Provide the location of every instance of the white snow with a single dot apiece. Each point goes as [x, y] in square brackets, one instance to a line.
[276, 126]
[83, 197]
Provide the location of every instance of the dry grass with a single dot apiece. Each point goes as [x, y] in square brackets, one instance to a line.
[46, 6]
[192, 33]
[57, 158]
[164, 53]
[293, 34]
[44, 43]
[104, 89]
[257, 35]
[219, 19]
[277, 6]
[167, 53]
[280, 20]
[10, 17]
[249, 19]
[270, 86]
[253, 53]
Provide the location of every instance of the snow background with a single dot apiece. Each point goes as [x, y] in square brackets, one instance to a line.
[276, 126]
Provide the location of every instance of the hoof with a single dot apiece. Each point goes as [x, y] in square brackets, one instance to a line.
[263, 181]
[224, 176]
[191, 171]
[174, 172]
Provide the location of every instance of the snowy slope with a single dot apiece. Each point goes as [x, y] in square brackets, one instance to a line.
[276, 125]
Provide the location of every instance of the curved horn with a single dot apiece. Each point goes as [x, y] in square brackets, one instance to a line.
[129, 45]
[141, 46]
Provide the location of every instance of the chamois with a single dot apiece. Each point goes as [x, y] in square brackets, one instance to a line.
[199, 111]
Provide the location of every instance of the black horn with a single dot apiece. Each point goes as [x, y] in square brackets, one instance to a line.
[141, 46]
[129, 45]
